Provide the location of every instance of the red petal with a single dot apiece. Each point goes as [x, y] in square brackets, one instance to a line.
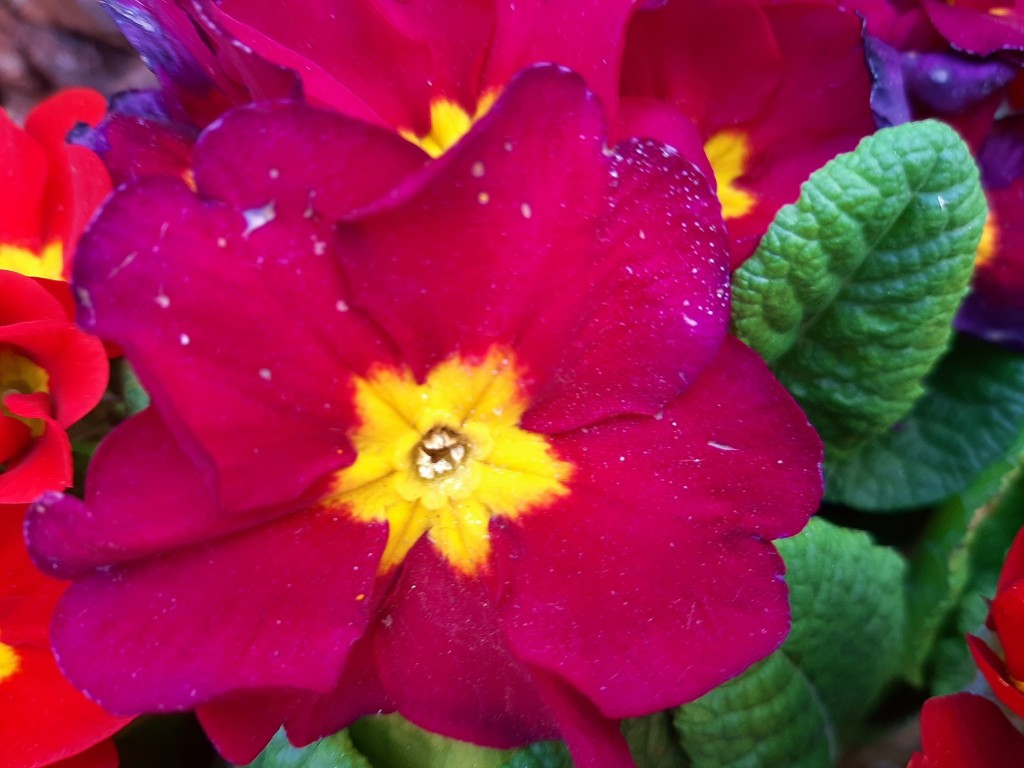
[274, 606]
[1007, 613]
[75, 362]
[22, 181]
[967, 731]
[103, 755]
[1013, 567]
[380, 63]
[667, 519]
[585, 36]
[45, 719]
[610, 250]
[24, 298]
[593, 740]
[277, 152]
[996, 674]
[241, 725]
[272, 371]
[444, 660]
[78, 182]
[157, 501]
[45, 466]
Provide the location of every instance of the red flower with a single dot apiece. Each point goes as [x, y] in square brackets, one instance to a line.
[481, 453]
[770, 91]
[45, 721]
[966, 731]
[51, 375]
[1006, 618]
[428, 71]
[48, 188]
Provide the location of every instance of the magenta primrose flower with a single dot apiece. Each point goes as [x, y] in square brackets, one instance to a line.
[464, 439]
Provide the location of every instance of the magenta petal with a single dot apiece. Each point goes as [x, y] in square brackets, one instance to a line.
[443, 658]
[652, 582]
[278, 605]
[302, 158]
[143, 496]
[359, 692]
[613, 273]
[241, 725]
[380, 62]
[594, 741]
[585, 35]
[256, 391]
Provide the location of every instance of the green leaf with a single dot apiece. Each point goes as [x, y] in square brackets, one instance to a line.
[848, 630]
[134, 397]
[971, 414]
[335, 751]
[391, 741]
[768, 716]
[851, 294]
[653, 742]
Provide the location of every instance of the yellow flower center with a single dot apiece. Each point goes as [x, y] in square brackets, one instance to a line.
[449, 122]
[729, 154]
[10, 662]
[443, 457]
[19, 375]
[48, 264]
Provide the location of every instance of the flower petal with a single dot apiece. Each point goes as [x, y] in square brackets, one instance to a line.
[443, 658]
[618, 247]
[278, 605]
[963, 731]
[661, 543]
[132, 509]
[274, 409]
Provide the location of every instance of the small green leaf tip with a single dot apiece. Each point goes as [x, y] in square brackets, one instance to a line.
[851, 294]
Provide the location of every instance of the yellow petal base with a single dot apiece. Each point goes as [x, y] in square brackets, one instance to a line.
[443, 457]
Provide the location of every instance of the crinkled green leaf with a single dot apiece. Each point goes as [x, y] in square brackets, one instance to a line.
[333, 752]
[768, 716]
[391, 741]
[851, 294]
[971, 413]
[848, 629]
[653, 742]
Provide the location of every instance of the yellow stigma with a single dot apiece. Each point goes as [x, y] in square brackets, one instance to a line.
[989, 241]
[729, 152]
[48, 264]
[449, 122]
[10, 662]
[443, 457]
[20, 375]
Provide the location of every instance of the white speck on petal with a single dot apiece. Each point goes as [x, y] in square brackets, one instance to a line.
[721, 446]
[274, 173]
[477, 170]
[185, 339]
[266, 374]
[341, 306]
[163, 301]
[483, 198]
[526, 210]
[508, 146]
[643, 235]
[222, 243]
[255, 218]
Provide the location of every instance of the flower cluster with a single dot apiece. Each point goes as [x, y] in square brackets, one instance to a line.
[446, 412]
[51, 375]
[440, 432]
